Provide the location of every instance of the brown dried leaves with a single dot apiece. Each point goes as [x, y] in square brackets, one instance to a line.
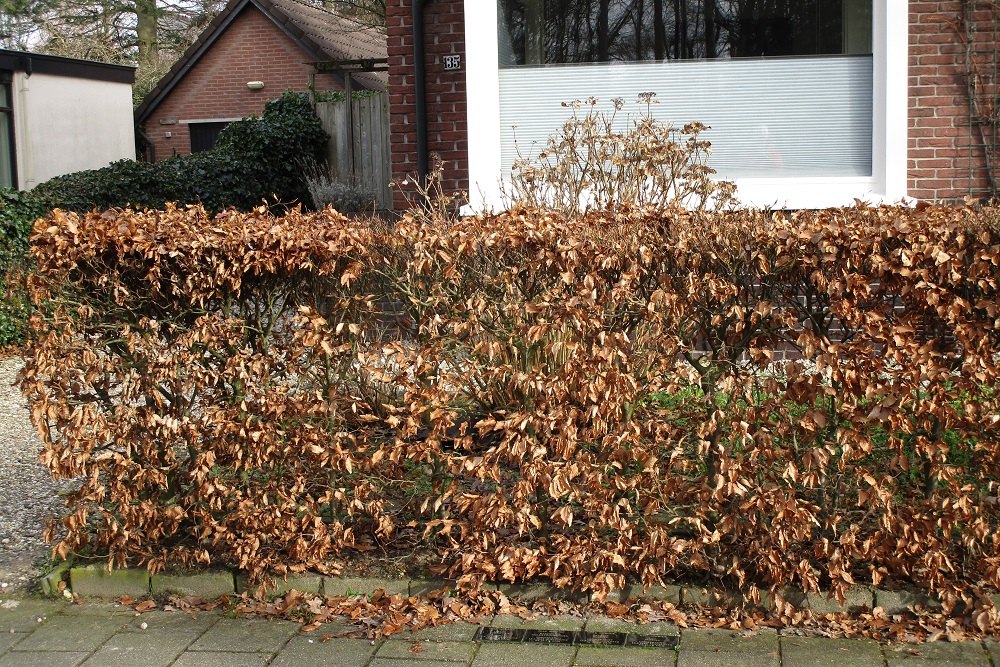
[766, 400]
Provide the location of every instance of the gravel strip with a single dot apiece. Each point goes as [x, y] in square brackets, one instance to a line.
[28, 496]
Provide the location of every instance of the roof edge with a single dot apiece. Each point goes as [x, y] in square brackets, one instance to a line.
[44, 63]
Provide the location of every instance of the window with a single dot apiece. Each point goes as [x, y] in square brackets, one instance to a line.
[775, 80]
[8, 169]
[205, 135]
[534, 32]
[806, 99]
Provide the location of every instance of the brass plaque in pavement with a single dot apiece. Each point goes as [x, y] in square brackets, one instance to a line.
[572, 637]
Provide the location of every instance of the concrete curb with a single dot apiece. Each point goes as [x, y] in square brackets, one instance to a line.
[95, 581]
[49, 582]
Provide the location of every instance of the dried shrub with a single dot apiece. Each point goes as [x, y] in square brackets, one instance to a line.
[347, 196]
[603, 161]
[649, 395]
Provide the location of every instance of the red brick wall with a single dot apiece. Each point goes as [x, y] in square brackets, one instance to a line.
[447, 125]
[942, 149]
[252, 48]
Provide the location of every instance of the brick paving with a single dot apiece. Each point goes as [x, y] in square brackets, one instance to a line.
[50, 633]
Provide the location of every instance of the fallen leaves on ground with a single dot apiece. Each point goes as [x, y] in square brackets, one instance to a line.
[383, 615]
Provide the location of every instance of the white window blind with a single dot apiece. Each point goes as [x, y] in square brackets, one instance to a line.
[770, 117]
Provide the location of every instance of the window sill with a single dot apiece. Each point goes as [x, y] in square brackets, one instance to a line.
[813, 193]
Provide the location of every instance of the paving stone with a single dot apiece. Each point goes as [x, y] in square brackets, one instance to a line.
[392, 662]
[311, 651]
[97, 608]
[794, 596]
[206, 585]
[71, 633]
[540, 623]
[173, 622]
[523, 655]
[856, 598]
[605, 624]
[277, 586]
[337, 586]
[127, 649]
[728, 641]
[24, 615]
[707, 596]
[96, 581]
[726, 659]
[535, 592]
[896, 602]
[671, 594]
[697, 595]
[336, 628]
[427, 650]
[818, 652]
[49, 583]
[943, 654]
[246, 635]
[994, 650]
[590, 656]
[8, 639]
[306, 583]
[218, 659]
[453, 632]
[716, 597]
[425, 586]
[46, 659]
[765, 600]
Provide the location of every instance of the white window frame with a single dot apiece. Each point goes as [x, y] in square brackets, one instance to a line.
[890, 44]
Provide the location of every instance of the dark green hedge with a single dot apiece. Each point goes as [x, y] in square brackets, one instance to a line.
[255, 159]
[18, 212]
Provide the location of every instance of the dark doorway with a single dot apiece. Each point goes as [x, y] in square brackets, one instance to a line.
[204, 135]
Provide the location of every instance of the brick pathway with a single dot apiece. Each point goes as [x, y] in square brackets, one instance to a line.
[55, 634]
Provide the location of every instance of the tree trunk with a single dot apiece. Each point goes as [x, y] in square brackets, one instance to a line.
[685, 38]
[638, 21]
[710, 29]
[146, 33]
[534, 33]
[602, 30]
[659, 31]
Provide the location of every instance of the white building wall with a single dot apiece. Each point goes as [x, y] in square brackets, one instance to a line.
[65, 124]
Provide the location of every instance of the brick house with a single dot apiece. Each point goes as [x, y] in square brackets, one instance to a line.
[253, 51]
[812, 103]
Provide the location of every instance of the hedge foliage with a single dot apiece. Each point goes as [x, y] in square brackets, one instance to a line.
[18, 212]
[757, 399]
[255, 159]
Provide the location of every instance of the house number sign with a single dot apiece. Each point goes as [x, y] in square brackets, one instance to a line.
[452, 62]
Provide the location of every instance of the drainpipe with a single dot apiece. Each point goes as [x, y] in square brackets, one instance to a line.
[420, 88]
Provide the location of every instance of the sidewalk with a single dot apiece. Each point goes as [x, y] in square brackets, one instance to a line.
[58, 634]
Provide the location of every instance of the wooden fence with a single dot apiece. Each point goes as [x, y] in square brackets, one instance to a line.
[358, 151]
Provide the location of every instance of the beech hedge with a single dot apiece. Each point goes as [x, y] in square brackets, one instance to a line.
[753, 398]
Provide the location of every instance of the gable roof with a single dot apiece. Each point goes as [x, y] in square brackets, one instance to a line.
[322, 34]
